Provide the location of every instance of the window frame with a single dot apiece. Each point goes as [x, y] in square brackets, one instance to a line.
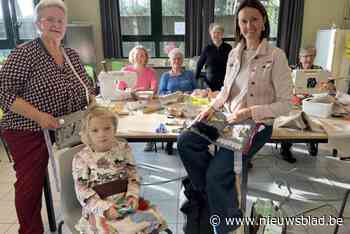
[11, 25]
[156, 36]
[9, 42]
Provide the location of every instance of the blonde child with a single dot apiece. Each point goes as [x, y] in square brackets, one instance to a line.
[106, 159]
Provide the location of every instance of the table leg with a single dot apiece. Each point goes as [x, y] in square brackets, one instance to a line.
[341, 212]
[313, 148]
[49, 204]
[244, 191]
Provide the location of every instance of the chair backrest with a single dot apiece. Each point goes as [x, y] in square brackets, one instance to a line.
[117, 65]
[90, 71]
[69, 202]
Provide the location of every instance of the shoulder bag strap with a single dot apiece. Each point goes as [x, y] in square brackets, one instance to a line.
[77, 75]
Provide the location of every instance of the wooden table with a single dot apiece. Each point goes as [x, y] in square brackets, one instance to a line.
[137, 127]
[297, 136]
[141, 128]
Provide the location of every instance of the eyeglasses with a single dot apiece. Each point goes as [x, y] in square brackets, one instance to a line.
[53, 20]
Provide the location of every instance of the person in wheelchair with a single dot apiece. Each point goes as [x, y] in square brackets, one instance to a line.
[107, 183]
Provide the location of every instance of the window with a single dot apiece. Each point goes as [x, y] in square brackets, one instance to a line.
[156, 25]
[173, 17]
[3, 34]
[224, 14]
[135, 17]
[272, 8]
[16, 24]
[25, 20]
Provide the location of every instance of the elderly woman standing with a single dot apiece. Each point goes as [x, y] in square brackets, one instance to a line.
[177, 79]
[37, 85]
[146, 76]
[214, 56]
[258, 87]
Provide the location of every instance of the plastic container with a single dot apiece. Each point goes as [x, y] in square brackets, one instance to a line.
[317, 109]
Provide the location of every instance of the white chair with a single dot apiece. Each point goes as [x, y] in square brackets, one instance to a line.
[70, 206]
[7, 151]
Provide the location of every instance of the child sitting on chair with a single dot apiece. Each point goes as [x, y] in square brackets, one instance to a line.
[103, 163]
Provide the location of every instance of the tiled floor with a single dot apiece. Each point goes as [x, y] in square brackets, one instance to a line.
[313, 180]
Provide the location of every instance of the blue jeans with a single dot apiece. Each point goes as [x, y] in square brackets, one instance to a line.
[214, 175]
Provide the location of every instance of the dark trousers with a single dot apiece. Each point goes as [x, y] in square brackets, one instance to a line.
[214, 175]
[30, 158]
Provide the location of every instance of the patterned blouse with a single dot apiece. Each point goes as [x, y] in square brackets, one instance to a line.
[93, 168]
[31, 73]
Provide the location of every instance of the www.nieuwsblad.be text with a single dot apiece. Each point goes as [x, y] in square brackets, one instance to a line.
[289, 221]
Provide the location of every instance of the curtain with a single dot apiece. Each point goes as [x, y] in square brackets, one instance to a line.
[111, 29]
[199, 14]
[290, 28]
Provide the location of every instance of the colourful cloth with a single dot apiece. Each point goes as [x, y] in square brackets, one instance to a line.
[184, 82]
[146, 80]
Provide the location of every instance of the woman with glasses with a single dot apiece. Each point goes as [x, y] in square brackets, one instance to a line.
[146, 76]
[177, 79]
[37, 84]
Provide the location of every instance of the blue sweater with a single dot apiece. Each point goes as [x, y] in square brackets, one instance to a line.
[184, 82]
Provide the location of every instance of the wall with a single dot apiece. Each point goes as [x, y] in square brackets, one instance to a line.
[88, 11]
[321, 14]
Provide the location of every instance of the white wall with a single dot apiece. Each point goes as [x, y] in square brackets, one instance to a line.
[321, 14]
[88, 11]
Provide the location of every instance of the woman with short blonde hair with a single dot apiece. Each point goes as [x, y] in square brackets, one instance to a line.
[146, 76]
[133, 52]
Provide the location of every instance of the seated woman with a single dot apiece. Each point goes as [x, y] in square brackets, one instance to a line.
[106, 159]
[257, 88]
[146, 76]
[177, 79]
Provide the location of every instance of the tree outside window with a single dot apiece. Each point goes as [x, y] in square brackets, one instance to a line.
[224, 14]
[156, 25]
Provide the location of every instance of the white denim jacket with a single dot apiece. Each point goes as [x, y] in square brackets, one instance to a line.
[270, 83]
